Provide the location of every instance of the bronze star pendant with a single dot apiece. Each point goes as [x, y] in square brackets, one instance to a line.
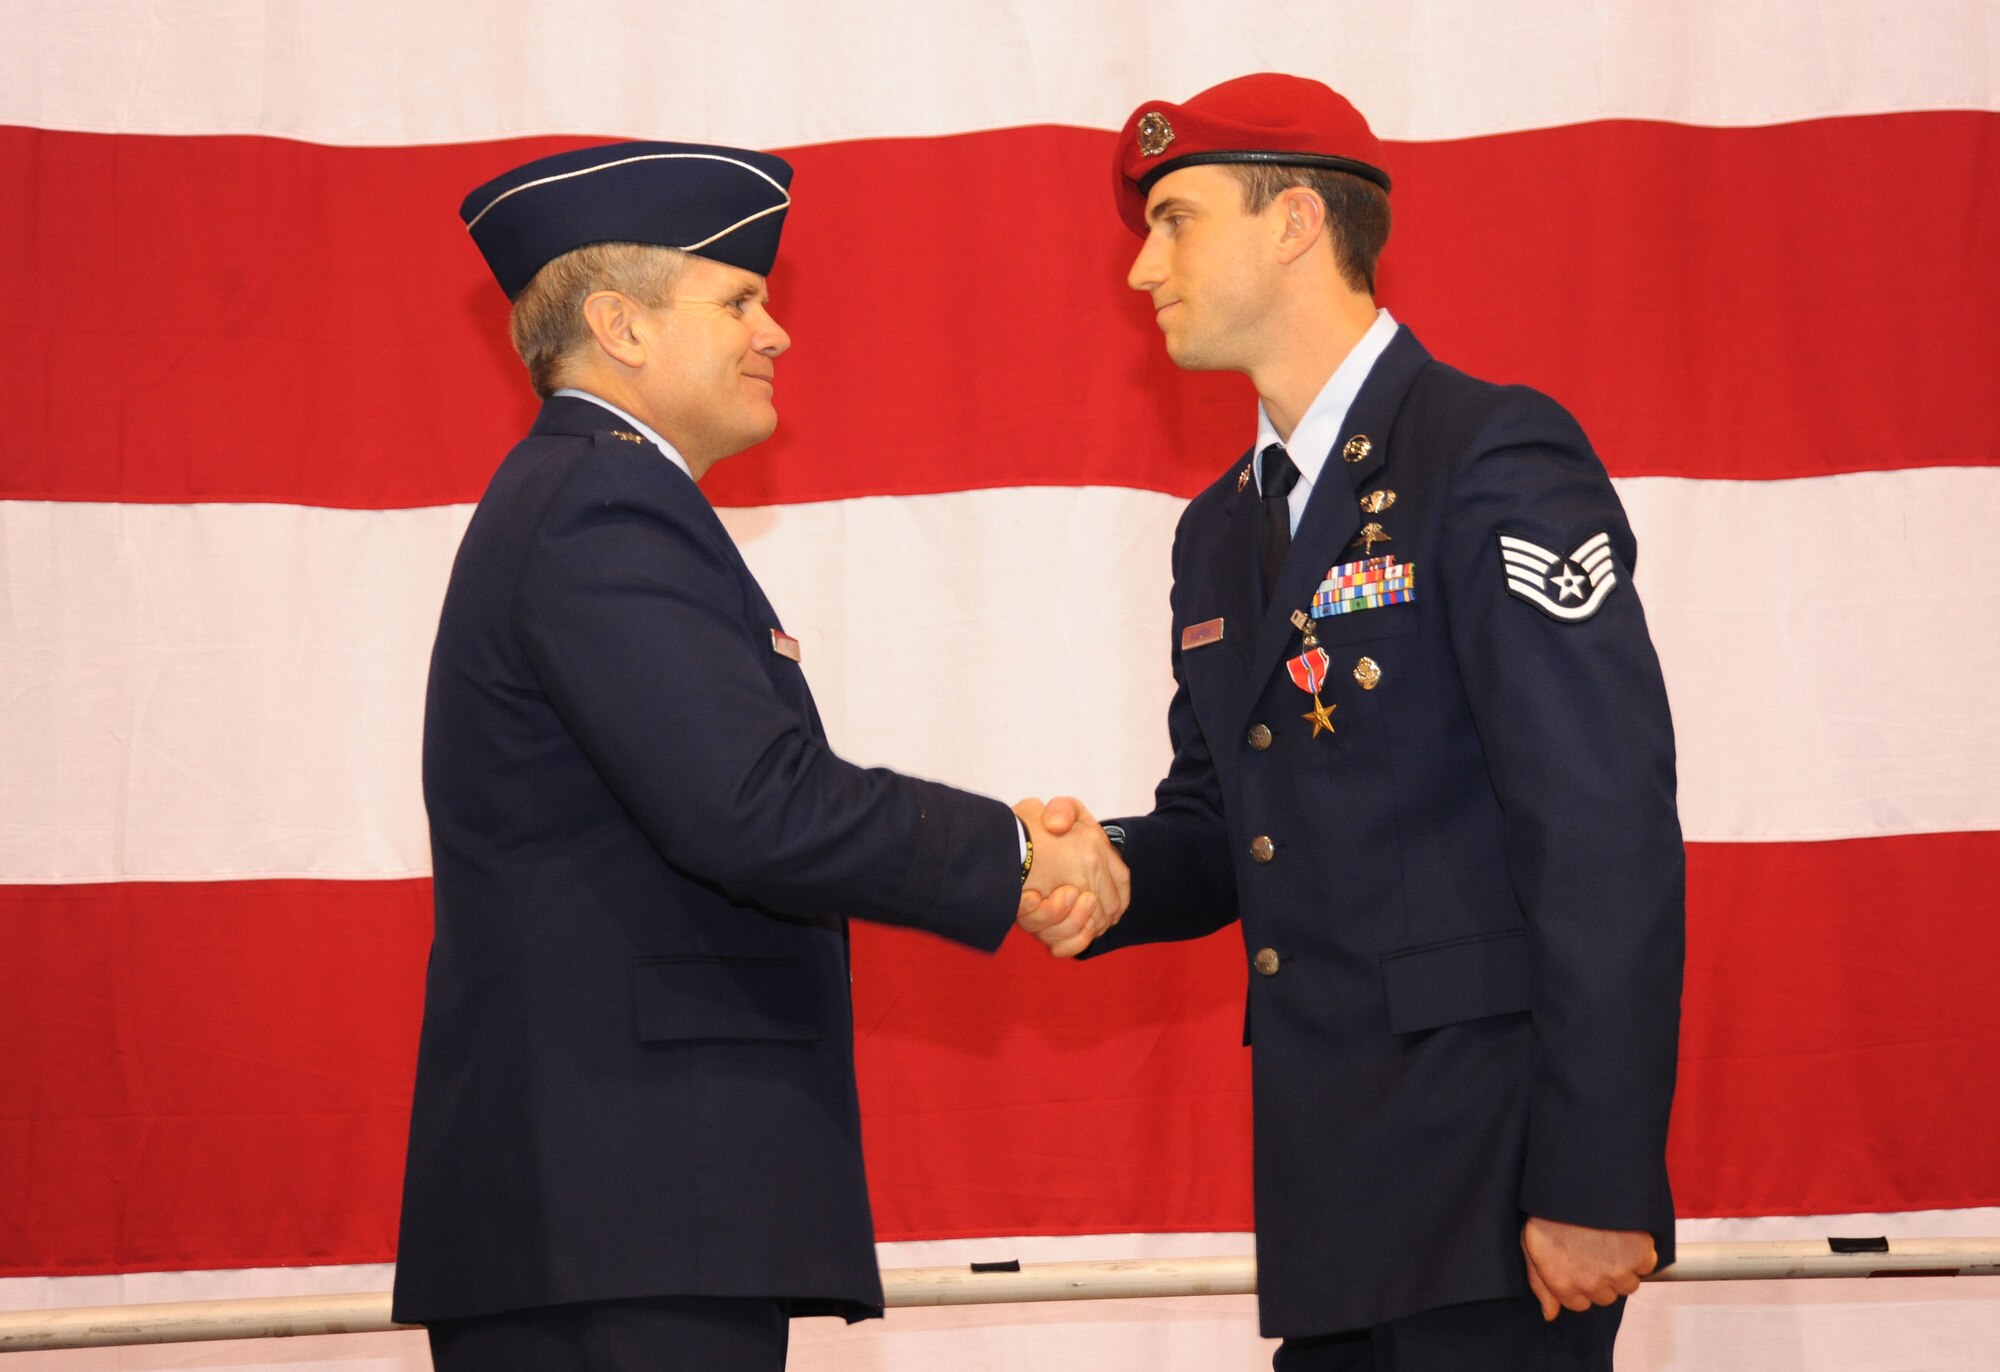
[1321, 716]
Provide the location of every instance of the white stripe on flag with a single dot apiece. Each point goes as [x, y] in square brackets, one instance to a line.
[220, 691]
[382, 72]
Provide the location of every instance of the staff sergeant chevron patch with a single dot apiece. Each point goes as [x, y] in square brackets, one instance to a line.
[1552, 583]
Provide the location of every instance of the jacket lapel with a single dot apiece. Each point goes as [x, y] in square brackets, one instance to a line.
[1235, 569]
[1333, 514]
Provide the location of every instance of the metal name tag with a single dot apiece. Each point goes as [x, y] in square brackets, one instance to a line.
[1202, 634]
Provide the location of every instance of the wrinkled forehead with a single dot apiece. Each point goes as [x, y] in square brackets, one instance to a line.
[704, 276]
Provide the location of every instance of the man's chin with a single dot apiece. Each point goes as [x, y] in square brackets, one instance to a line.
[756, 431]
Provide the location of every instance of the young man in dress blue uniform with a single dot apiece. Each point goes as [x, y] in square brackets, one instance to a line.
[635, 1142]
[1422, 755]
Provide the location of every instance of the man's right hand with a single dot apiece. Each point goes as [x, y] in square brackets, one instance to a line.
[1078, 886]
[1573, 1267]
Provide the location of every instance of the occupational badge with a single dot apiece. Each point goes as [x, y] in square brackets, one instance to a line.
[1308, 673]
[1365, 585]
[1371, 534]
[1377, 501]
[1154, 133]
[1570, 588]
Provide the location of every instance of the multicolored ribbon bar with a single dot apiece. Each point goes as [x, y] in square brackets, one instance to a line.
[1365, 585]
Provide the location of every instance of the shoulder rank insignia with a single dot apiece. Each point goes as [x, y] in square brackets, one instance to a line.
[626, 435]
[1569, 588]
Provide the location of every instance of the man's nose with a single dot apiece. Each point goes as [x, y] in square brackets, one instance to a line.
[1146, 273]
[772, 338]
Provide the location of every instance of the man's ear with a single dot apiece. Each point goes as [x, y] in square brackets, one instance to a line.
[612, 319]
[1302, 221]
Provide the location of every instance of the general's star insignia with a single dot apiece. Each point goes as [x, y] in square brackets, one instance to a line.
[1532, 570]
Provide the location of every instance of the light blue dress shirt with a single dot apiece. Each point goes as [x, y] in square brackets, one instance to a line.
[1312, 441]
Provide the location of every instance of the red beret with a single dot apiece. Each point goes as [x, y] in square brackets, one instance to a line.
[1284, 120]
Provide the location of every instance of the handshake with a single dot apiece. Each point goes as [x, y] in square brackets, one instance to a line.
[1077, 886]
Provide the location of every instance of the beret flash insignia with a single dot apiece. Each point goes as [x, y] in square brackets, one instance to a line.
[1154, 134]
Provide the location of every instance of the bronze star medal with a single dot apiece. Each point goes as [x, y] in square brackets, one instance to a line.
[1308, 673]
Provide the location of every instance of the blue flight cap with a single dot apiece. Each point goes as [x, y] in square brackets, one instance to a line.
[723, 203]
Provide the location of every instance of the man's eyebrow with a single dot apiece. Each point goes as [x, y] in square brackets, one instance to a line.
[1169, 206]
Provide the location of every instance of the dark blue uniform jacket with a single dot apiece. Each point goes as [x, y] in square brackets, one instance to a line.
[636, 1074]
[1472, 894]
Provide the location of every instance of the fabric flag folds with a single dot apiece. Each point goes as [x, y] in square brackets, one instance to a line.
[255, 377]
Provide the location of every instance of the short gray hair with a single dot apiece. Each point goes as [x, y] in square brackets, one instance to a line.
[548, 324]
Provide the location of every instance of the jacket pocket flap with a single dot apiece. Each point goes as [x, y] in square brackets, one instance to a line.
[691, 999]
[1469, 978]
[1358, 626]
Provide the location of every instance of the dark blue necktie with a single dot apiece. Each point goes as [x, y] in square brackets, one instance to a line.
[1278, 477]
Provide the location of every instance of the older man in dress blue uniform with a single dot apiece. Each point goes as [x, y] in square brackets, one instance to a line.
[635, 1141]
[1422, 756]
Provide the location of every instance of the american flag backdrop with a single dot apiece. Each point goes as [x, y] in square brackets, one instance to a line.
[253, 375]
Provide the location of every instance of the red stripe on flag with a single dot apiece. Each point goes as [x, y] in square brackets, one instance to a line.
[197, 1076]
[255, 319]
[1027, 1096]
[1841, 1034]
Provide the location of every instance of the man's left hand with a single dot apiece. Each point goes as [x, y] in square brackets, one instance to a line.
[1573, 1267]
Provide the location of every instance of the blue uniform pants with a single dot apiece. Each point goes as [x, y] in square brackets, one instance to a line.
[1480, 1336]
[657, 1334]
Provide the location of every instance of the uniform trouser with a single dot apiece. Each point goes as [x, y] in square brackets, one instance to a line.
[657, 1334]
[1481, 1336]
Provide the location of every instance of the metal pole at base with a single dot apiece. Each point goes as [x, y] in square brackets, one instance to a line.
[277, 1317]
